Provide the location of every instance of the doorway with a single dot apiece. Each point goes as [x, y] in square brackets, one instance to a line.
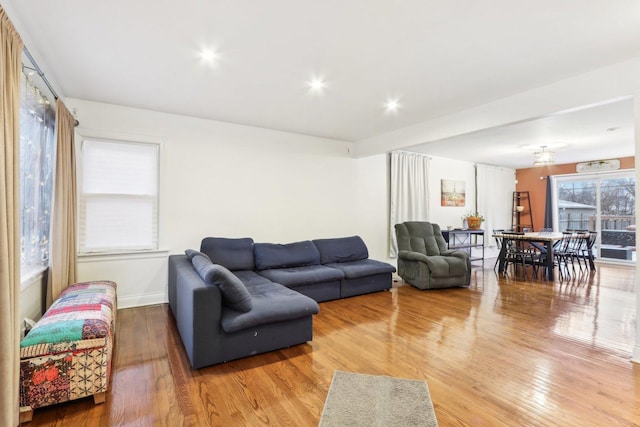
[604, 203]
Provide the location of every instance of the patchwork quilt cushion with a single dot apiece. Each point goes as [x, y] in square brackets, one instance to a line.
[67, 355]
[84, 311]
[234, 293]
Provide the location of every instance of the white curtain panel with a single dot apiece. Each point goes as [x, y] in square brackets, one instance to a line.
[495, 187]
[409, 192]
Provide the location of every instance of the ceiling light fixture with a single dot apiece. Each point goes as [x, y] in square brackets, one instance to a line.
[317, 85]
[392, 105]
[208, 56]
[544, 157]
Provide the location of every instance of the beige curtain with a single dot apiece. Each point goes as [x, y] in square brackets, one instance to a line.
[63, 259]
[10, 64]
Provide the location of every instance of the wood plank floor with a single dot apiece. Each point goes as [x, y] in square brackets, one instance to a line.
[501, 353]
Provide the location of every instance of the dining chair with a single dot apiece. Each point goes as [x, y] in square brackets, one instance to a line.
[578, 245]
[586, 252]
[564, 255]
[498, 245]
[520, 254]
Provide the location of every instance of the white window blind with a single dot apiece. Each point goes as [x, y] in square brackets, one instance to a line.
[118, 196]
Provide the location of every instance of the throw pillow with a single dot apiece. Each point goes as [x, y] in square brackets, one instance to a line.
[190, 253]
[234, 294]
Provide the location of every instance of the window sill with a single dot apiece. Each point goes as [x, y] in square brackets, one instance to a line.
[34, 276]
[116, 256]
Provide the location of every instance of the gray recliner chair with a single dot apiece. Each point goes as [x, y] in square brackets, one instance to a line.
[424, 260]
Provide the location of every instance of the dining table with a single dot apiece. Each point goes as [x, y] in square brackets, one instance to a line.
[547, 239]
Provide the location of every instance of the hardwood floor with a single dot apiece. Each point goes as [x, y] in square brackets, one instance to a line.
[503, 352]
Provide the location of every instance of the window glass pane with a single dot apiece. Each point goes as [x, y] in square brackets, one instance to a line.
[577, 204]
[119, 223]
[119, 168]
[37, 161]
[604, 203]
[118, 203]
[618, 218]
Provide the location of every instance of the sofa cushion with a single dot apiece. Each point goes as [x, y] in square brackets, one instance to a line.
[342, 249]
[362, 268]
[234, 254]
[271, 303]
[296, 276]
[272, 255]
[250, 278]
[234, 293]
[190, 253]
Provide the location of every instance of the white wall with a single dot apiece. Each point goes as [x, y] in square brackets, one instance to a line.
[371, 214]
[457, 170]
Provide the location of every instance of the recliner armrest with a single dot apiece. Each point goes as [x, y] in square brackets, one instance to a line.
[412, 256]
[456, 253]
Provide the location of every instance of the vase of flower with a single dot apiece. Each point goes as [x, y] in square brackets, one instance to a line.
[474, 220]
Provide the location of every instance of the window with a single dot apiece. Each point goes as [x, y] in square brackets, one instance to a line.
[118, 196]
[37, 162]
[602, 202]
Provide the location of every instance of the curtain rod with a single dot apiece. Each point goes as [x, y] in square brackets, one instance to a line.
[39, 71]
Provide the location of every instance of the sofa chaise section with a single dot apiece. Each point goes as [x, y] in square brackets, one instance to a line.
[214, 333]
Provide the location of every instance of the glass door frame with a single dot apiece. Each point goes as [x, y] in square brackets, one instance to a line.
[597, 177]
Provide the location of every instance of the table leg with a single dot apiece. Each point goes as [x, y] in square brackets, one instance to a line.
[549, 247]
[502, 256]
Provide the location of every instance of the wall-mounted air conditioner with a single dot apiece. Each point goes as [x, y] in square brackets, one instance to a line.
[598, 166]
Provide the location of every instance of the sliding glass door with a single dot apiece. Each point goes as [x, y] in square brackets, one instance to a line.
[603, 202]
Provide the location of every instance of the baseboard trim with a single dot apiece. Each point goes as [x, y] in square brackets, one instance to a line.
[635, 358]
[131, 301]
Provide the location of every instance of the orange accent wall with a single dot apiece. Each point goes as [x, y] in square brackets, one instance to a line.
[534, 180]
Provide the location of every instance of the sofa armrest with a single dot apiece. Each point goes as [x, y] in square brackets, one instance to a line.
[198, 313]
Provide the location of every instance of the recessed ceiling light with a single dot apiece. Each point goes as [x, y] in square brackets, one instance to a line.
[317, 85]
[392, 105]
[208, 55]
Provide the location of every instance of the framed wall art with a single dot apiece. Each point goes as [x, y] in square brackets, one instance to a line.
[452, 193]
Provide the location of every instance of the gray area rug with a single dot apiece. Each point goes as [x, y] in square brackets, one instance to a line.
[371, 400]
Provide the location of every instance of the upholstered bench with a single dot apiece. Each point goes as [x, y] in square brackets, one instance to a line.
[67, 354]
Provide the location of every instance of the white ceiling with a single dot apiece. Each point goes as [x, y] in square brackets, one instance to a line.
[436, 56]
[598, 132]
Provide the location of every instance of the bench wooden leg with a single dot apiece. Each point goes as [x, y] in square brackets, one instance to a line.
[99, 397]
[26, 414]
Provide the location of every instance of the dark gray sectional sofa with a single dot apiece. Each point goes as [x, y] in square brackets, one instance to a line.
[235, 298]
